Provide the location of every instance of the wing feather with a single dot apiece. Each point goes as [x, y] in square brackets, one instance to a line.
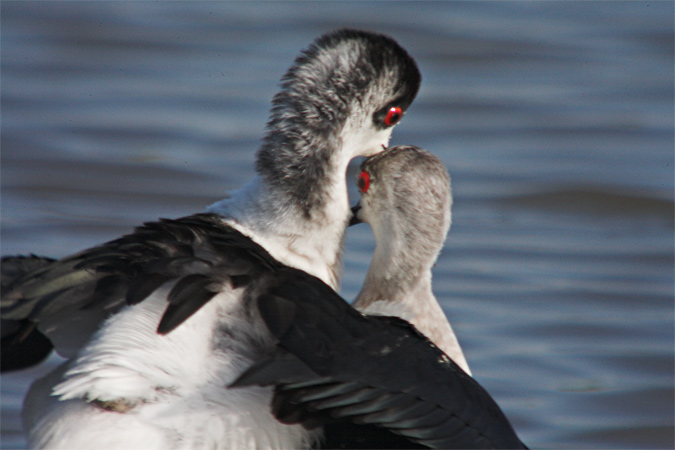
[375, 376]
[69, 299]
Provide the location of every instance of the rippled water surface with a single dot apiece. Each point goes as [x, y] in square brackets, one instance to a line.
[555, 120]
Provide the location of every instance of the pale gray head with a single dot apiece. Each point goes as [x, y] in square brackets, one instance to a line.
[340, 99]
[406, 200]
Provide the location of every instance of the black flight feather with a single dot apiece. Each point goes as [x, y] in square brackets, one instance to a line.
[142, 286]
[367, 372]
[99, 281]
[186, 298]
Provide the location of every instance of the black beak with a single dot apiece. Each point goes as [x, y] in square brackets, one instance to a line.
[355, 215]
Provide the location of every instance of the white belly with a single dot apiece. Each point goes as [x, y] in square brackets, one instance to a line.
[175, 386]
[169, 423]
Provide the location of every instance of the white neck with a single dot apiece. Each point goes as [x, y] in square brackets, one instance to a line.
[303, 231]
[313, 244]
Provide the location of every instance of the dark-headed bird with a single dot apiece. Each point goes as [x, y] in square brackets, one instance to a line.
[156, 324]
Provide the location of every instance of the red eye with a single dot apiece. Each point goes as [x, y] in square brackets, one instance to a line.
[393, 116]
[363, 182]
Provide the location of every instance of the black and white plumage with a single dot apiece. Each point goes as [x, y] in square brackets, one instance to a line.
[375, 381]
[126, 385]
[371, 381]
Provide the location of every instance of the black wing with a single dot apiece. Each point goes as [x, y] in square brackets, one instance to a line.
[372, 382]
[67, 300]
[22, 344]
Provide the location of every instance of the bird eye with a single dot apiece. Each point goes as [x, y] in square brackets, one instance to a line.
[363, 182]
[393, 116]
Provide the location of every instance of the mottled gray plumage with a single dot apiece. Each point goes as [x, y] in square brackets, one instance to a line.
[408, 207]
[335, 79]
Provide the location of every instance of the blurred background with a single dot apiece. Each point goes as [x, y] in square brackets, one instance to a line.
[555, 120]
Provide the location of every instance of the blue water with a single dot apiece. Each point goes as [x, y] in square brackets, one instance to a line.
[555, 120]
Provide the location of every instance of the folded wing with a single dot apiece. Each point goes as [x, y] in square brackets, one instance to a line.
[370, 381]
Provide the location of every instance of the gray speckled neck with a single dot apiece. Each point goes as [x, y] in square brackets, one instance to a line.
[408, 208]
